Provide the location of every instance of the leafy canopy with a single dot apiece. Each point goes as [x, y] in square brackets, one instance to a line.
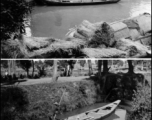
[13, 17]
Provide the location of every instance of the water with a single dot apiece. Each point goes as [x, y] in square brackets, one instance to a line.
[124, 105]
[55, 21]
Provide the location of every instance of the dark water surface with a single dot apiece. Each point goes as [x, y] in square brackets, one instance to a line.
[55, 21]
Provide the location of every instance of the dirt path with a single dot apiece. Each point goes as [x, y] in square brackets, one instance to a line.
[49, 80]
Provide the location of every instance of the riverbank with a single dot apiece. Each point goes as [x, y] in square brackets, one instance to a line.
[38, 99]
[43, 96]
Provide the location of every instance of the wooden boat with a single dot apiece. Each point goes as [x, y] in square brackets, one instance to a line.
[96, 114]
[79, 2]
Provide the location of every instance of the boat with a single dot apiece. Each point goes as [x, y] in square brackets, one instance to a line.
[96, 114]
[79, 2]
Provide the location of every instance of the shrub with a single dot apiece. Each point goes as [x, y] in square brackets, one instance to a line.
[141, 104]
[14, 101]
[13, 14]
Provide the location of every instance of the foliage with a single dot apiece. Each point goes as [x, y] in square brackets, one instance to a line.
[121, 85]
[14, 101]
[64, 64]
[25, 64]
[41, 68]
[71, 63]
[13, 15]
[82, 62]
[4, 63]
[42, 97]
[48, 62]
[141, 104]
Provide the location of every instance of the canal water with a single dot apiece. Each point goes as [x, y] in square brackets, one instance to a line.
[124, 105]
[55, 21]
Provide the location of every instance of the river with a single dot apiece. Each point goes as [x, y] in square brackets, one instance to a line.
[55, 21]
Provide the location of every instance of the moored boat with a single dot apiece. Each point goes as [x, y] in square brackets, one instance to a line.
[96, 114]
[79, 2]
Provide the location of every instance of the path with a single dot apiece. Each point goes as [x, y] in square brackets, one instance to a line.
[49, 80]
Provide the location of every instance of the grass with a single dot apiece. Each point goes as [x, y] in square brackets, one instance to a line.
[42, 97]
[141, 105]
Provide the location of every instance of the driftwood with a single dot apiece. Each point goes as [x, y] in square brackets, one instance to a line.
[96, 34]
[120, 30]
[133, 48]
[60, 49]
[97, 40]
[104, 53]
[141, 23]
[134, 34]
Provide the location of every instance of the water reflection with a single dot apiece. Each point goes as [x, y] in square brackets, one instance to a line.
[56, 20]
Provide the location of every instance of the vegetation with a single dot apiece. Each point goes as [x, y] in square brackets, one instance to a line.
[25, 64]
[14, 102]
[103, 86]
[13, 19]
[41, 68]
[42, 98]
[141, 105]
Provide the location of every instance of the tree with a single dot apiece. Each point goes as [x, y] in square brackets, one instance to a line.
[13, 21]
[68, 65]
[4, 63]
[25, 64]
[131, 67]
[49, 62]
[33, 68]
[82, 62]
[71, 65]
[90, 67]
[99, 68]
[55, 76]
[41, 67]
[13, 17]
[105, 66]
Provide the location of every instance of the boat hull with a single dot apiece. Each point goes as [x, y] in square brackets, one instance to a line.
[96, 114]
[48, 2]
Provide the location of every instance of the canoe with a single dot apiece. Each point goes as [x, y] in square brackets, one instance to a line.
[79, 2]
[96, 114]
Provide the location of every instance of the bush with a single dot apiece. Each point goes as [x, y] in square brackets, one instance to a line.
[141, 104]
[14, 101]
[42, 97]
[13, 14]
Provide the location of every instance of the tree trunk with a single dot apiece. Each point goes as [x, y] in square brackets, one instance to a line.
[142, 65]
[33, 68]
[71, 71]
[105, 66]
[27, 71]
[90, 67]
[14, 66]
[55, 77]
[99, 68]
[131, 67]
[9, 67]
